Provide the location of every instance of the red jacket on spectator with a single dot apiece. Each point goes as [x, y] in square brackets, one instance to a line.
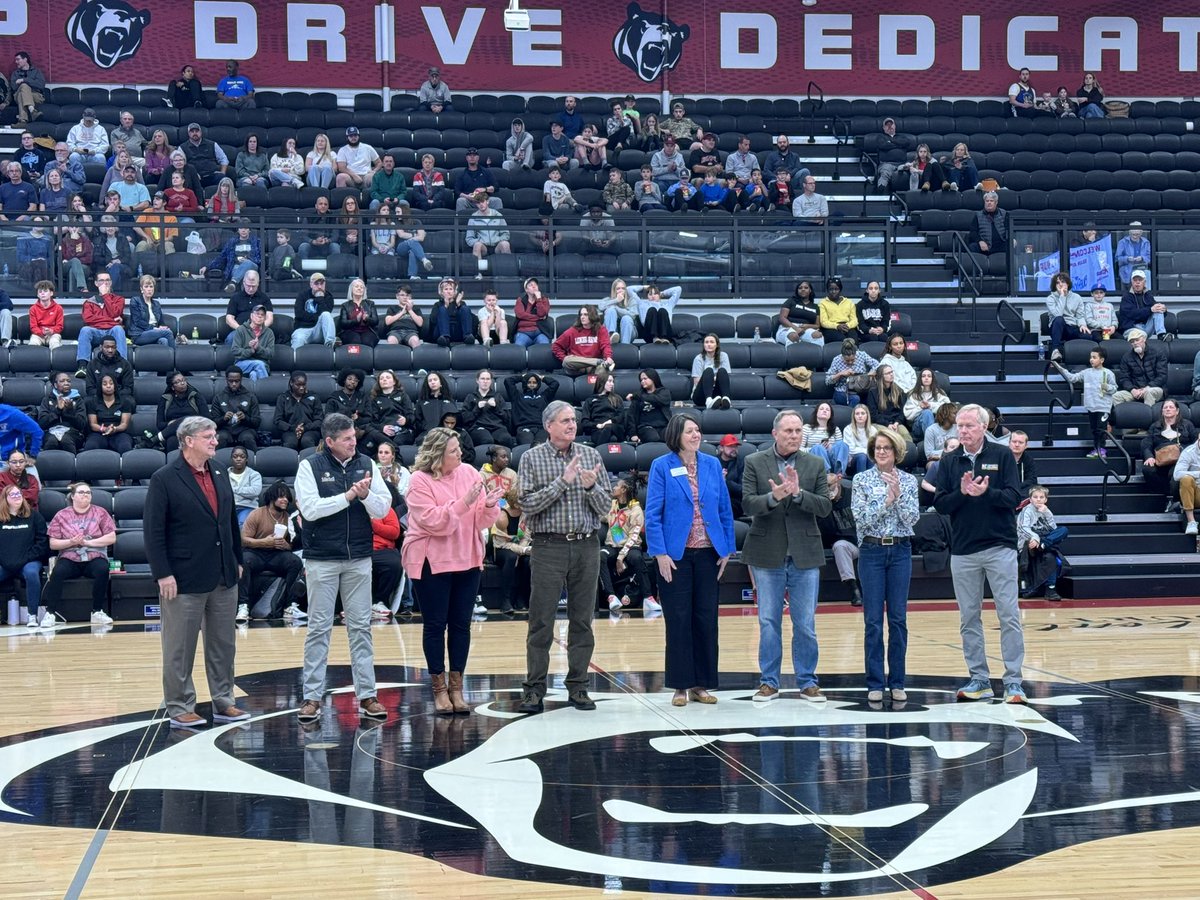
[385, 532]
[590, 342]
[529, 315]
[105, 314]
[42, 317]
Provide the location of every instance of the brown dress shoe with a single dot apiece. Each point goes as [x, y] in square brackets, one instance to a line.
[372, 708]
[441, 697]
[188, 720]
[699, 695]
[310, 711]
[456, 694]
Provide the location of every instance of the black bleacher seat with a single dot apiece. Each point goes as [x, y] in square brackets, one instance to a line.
[98, 467]
[50, 501]
[56, 468]
[24, 391]
[273, 463]
[128, 508]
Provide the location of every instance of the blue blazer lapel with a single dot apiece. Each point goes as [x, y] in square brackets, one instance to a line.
[681, 481]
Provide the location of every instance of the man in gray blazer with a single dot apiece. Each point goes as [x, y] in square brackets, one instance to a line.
[785, 491]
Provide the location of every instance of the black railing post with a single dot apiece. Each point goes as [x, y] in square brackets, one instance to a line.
[818, 103]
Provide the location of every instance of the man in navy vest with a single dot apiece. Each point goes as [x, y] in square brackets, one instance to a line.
[338, 492]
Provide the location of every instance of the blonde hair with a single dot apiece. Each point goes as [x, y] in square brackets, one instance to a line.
[327, 153]
[433, 451]
[147, 279]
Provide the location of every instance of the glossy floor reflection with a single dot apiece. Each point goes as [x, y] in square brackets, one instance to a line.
[787, 798]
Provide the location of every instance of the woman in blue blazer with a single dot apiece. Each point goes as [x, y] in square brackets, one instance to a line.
[689, 532]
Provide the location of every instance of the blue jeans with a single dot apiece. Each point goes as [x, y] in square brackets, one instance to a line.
[32, 573]
[320, 176]
[279, 178]
[923, 420]
[1091, 111]
[1051, 541]
[254, 368]
[845, 398]
[859, 462]
[626, 323]
[801, 588]
[884, 574]
[526, 338]
[415, 253]
[322, 333]
[239, 270]
[243, 513]
[89, 337]
[155, 336]
[836, 457]
[456, 325]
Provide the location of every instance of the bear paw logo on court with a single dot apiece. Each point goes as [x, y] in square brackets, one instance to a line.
[107, 31]
[649, 44]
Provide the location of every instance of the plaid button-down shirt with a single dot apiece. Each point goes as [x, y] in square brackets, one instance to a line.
[549, 503]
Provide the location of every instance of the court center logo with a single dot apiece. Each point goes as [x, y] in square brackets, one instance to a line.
[107, 31]
[640, 794]
[649, 44]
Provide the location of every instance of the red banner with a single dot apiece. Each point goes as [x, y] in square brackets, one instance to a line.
[699, 47]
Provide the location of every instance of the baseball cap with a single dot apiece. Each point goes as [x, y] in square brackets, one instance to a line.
[596, 207]
[472, 150]
[257, 307]
[1134, 333]
[434, 70]
[316, 276]
[89, 113]
[1138, 273]
[730, 440]
[1135, 224]
[158, 194]
[1101, 288]
[889, 119]
[193, 126]
[352, 129]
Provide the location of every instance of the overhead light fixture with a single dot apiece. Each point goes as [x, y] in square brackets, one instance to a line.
[515, 18]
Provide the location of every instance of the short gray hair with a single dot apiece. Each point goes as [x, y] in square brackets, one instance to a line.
[782, 414]
[991, 195]
[553, 410]
[335, 423]
[981, 414]
[193, 425]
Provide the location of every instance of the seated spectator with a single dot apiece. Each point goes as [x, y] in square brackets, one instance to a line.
[410, 238]
[389, 187]
[485, 413]
[386, 569]
[180, 199]
[18, 475]
[206, 157]
[472, 181]
[618, 127]
[874, 315]
[556, 195]
[285, 167]
[622, 551]
[191, 180]
[234, 91]
[1090, 99]
[856, 435]
[77, 255]
[532, 312]
[940, 430]
[1101, 313]
[528, 396]
[779, 191]
[55, 198]
[80, 534]
[31, 156]
[357, 162]
[23, 546]
[240, 257]
[851, 362]
[186, 91]
[839, 536]
[1038, 533]
[493, 324]
[358, 318]
[1186, 474]
[282, 263]
[108, 362]
[298, 414]
[402, 322]
[320, 243]
[989, 228]
[252, 165]
[599, 229]
[654, 311]
[146, 324]
[18, 198]
[710, 375]
[705, 158]
[649, 408]
[511, 545]
[33, 253]
[390, 414]
[1140, 309]
[236, 412]
[1133, 252]
[313, 314]
[62, 415]
[452, 317]
[836, 314]
[741, 162]
[518, 149]
[959, 170]
[1162, 447]
[756, 197]
[885, 401]
[620, 313]
[270, 535]
[896, 356]
[71, 169]
[682, 194]
[810, 208]
[27, 84]
[320, 165]
[154, 227]
[892, 150]
[434, 401]
[924, 172]
[452, 419]
[113, 253]
[350, 399]
[714, 195]
[243, 301]
[618, 194]
[88, 141]
[102, 317]
[178, 401]
[923, 402]
[254, 345]
[823, 439]
[605, 413]
[1068, 316]
[486, 231]
[246, 484]
[158, 157]
[1022, 98]
[1061, 105]
[680, 127]
[224, 205]
[591, 149]
[434, 94]
[547, 238]
[1142, 372]
[584, 347]
[785, 158]
[798, 318]
[127, 133]
[569, 117]
[108, 416]
[667, 164]
[558, 152]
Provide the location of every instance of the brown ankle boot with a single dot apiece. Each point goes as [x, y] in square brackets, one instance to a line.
[441, 699]
[456, 695]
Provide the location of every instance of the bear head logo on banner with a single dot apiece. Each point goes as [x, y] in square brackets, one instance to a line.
[648, 43]
[107, 31]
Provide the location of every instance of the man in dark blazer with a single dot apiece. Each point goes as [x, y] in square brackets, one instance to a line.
[195, 552]
[785, 491]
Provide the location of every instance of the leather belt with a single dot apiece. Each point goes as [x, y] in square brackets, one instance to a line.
[886, 541]
[569, 537]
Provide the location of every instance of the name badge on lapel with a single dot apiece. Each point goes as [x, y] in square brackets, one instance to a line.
[990, 467]
[678, 470]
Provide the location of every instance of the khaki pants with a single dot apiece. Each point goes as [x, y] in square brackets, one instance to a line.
[26, 97]
[581, 364]
[1187, 492]
[1152, 396]
[54, 341]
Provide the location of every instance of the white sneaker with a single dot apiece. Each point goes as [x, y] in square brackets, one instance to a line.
[243, 613]
[295, 613]
[1192, 528]
[480, 609]
[32, 622]
[100, 617]
[651, 605]
[379, 611]
[710, 402]
[48, 620]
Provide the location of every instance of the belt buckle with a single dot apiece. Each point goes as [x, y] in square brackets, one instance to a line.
[887, 540]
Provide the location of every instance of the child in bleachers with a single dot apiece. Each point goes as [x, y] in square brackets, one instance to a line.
[1101, 312]
[617, 193]
[1099, 385]
[1038, 533]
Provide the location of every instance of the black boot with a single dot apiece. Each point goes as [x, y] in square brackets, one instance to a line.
[856, 600]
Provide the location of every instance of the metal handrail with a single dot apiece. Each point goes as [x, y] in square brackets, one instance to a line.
[1008, 336]
[960, 248]
[841, 131]
[818, 103]
[1048, 440]
[1110, 472]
